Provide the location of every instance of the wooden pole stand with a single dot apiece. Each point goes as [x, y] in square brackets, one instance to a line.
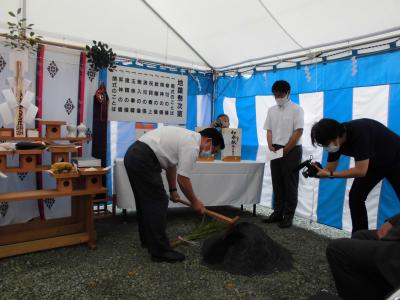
[3, 162]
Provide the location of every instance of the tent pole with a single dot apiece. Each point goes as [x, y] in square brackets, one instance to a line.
[262, 60]
[80, 48]
[214, 95]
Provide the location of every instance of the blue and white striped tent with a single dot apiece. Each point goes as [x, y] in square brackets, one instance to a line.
[235, 36]
[332, 90]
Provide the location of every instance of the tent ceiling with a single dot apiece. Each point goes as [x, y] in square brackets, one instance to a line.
[216, 33]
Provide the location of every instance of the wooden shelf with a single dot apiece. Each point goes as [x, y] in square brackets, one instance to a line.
[43, 194]
[46, 230]
[84, 172]
[64, 175]
[76, 139]
[22, 170]
[44, 244]
[53, 122]
[22, 152]
[58, 149]
[41, 235]
[103, 200]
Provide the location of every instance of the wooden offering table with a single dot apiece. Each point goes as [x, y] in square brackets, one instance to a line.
[83, 186]
[40, 235]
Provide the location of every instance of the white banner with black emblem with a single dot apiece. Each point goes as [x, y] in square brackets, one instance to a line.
[146, 96]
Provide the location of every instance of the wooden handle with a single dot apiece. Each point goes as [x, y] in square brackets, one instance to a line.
[214, 214]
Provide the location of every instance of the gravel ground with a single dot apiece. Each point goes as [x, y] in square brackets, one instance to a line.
[120, 269]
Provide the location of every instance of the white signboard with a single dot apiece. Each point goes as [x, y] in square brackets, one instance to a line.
[146, 96]
[233, 142]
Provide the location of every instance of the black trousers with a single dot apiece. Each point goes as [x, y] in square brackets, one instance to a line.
[285, 182]
[355, 266]
[360, 189]
[144, 172]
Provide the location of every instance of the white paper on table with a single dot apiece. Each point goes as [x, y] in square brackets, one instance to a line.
[27, 99]
[7, 146]
[31, 113]
[10, 98]
[274, 155]
[6, 114]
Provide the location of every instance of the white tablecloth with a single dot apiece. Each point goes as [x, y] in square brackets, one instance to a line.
[215, 183]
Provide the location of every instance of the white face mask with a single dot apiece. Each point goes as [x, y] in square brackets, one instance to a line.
[281, 101]
[332, 148]
[206, 153]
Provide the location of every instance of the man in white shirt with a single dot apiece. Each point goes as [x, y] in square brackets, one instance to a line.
[175, 150]
[284, 126]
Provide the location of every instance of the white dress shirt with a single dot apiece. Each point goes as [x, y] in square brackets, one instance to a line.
[283, 120]
[174, 146]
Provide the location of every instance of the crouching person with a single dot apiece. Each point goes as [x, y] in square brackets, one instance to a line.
[367, 266]
[175, 150]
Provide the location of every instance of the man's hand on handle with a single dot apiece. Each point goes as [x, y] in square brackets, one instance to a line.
[174, 197]
[198, 206]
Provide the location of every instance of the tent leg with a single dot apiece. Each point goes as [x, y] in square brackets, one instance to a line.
[124, 216]
[213, 95]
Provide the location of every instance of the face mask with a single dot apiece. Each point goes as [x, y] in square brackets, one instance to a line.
[281, 101]
[206, 153]
[332, 148]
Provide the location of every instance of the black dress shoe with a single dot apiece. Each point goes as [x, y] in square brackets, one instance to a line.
[273, 218]
[170, 256]
[286, 222]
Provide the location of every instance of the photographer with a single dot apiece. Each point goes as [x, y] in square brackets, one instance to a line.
[376, 151]
[222, 121]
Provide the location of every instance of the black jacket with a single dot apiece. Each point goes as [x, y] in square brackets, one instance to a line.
[387, 257]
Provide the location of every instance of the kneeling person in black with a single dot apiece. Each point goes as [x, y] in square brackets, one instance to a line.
[376, 151]
[175, 150]
[367, 266]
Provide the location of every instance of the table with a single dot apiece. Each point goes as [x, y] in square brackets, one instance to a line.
[216, 183]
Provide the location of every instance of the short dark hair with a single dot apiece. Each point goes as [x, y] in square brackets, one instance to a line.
[215, 135]
[326, 130]
[222, 115]
[281, 86]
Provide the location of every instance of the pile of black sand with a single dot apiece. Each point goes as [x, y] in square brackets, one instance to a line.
[246, 250]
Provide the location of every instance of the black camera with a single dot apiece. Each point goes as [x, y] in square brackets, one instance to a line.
[218, 124]
[308, 168]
